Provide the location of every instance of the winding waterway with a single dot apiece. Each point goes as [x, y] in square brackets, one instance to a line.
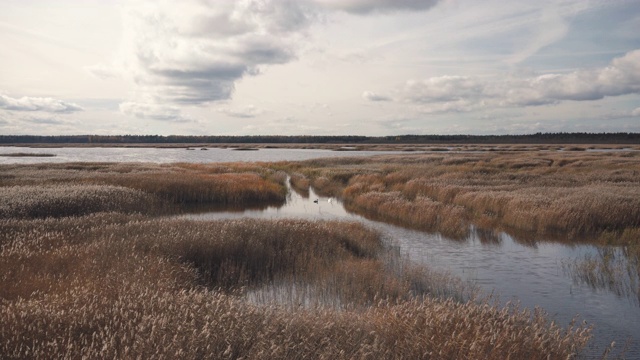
[531, 273]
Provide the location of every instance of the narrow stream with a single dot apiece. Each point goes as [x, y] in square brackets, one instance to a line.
[529, 273]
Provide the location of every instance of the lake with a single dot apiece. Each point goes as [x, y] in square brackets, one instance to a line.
[169, 155]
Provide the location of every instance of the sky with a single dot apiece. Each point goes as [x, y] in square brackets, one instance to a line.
[318, 67]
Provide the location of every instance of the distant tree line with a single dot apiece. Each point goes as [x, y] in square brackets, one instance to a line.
[538, 138]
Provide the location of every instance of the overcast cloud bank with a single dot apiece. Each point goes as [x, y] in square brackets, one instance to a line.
[460, 93]
[366, 67]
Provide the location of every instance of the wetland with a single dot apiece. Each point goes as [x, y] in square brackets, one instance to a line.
[427, 254]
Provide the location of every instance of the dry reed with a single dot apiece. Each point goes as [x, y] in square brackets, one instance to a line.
[178, 184]
[120, 285]
[574, 195]
[111, 285]
[300, 184]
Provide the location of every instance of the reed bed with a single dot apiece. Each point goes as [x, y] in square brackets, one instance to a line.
[140, 187]
[86, 273]
[112, 285]
[572, 194]
[421, 213]
[300, 184]
[209, 325]
[62, 200]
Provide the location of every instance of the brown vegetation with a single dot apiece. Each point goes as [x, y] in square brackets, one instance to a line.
[83, 188]
[570, 194]
[120, 286]
[300, 184]
[82, 276]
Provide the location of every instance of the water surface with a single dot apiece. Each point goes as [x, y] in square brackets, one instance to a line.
[531, 274]
[171, 155]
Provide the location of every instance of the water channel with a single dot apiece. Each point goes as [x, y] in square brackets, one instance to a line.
[529, 272]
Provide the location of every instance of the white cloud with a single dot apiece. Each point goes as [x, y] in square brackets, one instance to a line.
[368, 6]
[45, 121]
[635, 112]
[549, 28]
[371, 96]
[102, 71]
[152, 111]
[44, 104]
[193, 52]
[443, 89]
[249, 111]
[458, 93]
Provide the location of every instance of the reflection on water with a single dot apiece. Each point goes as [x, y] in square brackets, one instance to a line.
[531, 274]
[311, 207]
[613, 268]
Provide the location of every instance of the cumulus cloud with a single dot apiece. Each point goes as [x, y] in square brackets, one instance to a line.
[459, 93]
[369, 6]
[193, 51]
[443, 89]
[371, 96]
[44, 104]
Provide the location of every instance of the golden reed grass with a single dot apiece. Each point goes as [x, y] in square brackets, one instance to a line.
[300, 184]
[121, 285]
[112, 285]
[570, 194]
[82, 188]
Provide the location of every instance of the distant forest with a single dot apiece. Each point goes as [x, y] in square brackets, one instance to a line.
[539, 138]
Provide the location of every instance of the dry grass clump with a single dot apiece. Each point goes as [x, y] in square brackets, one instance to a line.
[562, 194]
[225, 189]
[300, 184]
[225, 255]
[181, 184]
[421, 212]
[252, 252]
[62, 200]
[111, 285]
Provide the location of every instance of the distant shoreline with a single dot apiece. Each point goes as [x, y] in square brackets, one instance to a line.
[346, 142]
[347, 148]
